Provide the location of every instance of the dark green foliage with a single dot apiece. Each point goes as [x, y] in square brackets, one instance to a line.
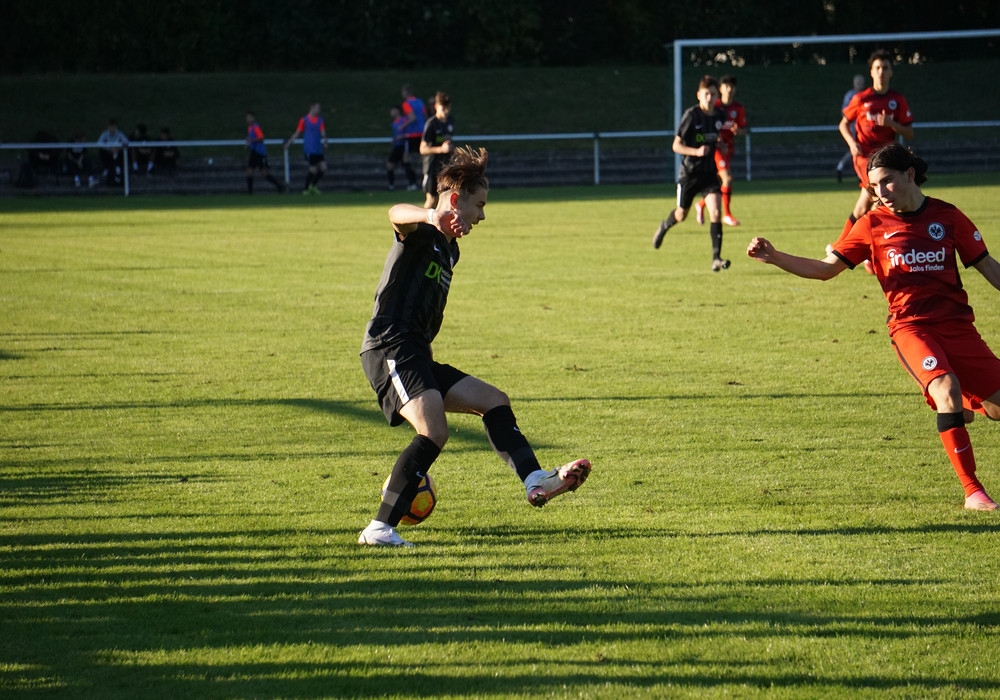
[212, 35]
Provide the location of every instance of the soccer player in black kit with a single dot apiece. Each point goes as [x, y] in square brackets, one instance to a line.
[696, 139]
[398, 361]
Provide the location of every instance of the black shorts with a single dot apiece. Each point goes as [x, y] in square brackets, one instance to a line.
[398, 153]
[257, 161]
[403, 372]
[430, 184]
[315, 159]
[694, 185]
[413, 144]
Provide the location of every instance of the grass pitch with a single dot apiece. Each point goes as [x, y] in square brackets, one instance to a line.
[189, 449]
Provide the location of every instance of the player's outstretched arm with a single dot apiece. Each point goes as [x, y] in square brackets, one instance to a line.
[990, 269]
[762, 249]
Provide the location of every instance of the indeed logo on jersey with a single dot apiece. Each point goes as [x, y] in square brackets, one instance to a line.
[918, 260]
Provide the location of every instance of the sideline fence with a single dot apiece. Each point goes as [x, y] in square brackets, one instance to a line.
[595, 137]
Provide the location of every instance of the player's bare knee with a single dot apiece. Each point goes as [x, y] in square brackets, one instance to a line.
[501, 399]
[437, 434]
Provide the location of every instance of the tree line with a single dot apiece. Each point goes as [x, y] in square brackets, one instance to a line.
[306, 35]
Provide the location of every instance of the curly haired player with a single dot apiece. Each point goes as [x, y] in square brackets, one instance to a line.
[398, 361]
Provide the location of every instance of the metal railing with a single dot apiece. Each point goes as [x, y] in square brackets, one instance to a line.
[594, 136]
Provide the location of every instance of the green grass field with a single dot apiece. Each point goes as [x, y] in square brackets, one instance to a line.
[189, 449]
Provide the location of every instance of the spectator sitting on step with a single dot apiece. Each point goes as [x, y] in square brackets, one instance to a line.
[112, 143]
[167, 155]
[141, 156]
[44, 159]
[77, 163]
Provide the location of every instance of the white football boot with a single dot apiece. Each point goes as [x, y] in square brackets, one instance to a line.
[542, 486]
[379, 534]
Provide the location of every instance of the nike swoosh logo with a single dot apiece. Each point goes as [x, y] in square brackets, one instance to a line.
[961, 450]
[890, 235]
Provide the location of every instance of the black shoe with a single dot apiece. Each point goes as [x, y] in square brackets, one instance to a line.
[661, 231]
[719, 264]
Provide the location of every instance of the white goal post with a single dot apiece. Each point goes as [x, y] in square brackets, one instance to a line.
[680, 44]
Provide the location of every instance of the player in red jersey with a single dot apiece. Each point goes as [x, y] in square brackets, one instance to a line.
[878, 114]
[916, 244]
[734, 125]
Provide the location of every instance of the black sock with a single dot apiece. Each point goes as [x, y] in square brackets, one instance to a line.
[274, 181]
[947, 421]
[309, 181]
[250, 185]
[669, 221]
[410, 467]
[507, 441]
[715, 231]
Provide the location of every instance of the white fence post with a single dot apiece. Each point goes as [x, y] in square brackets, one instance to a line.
[597, 158]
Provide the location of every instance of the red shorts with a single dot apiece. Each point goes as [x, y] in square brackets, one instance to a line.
[721, 159]
[861, 169]
[929, 351]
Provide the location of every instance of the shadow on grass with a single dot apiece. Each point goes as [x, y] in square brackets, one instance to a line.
[76, 486]
[360, 410]
[367, 410]
[242, 614]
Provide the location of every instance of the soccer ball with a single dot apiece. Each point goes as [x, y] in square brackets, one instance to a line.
[423, 503]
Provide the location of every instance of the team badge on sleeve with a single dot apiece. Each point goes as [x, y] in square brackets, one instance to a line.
[929, 363]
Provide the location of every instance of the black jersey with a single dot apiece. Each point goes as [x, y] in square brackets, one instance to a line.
[436, 132]
[413, 291]
[698, 128]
